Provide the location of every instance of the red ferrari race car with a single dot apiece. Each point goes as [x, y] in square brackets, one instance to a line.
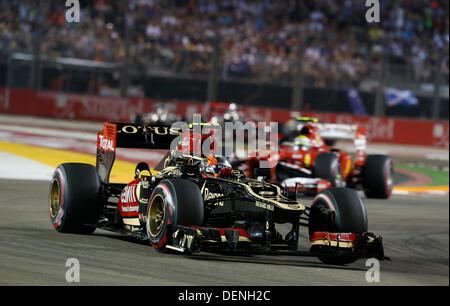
[189, 203]
[307, 163]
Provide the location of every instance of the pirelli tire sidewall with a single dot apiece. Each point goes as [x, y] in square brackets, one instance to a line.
[163, 190]
[79, 189]
[183, 205]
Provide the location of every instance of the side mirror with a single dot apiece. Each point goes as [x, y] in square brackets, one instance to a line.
[264, 173]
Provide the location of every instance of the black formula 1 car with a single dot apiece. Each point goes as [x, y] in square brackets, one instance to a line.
[189, 203]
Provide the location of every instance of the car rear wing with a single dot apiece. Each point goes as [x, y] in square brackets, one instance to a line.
[154, 136]
[357, 133]
[126, 135]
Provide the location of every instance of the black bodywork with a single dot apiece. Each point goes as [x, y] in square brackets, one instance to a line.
[230, 203]
[233, 204]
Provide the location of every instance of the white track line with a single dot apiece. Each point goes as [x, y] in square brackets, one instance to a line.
[21, 168]
[49, 132]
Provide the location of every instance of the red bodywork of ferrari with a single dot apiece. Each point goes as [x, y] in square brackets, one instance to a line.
[293, 157]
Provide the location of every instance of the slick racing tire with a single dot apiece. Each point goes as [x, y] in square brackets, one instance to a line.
[327, 167]
[173, 202]
[378, 179]
[74, 197]
[348, 216]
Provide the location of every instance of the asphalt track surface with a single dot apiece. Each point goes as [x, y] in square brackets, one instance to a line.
[415, 232]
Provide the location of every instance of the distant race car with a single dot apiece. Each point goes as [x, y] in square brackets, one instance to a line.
[305, 163]
[221, 113]
[191, 203]
[163, 113]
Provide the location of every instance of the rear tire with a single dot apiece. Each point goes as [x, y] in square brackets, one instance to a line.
[378, 178]
[74, 198]
[349, 217]
[173, 202]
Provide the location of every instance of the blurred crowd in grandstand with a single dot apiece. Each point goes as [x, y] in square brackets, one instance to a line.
[258, 38]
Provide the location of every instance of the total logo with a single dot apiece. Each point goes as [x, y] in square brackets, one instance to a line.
[128, 194]
[106, 144]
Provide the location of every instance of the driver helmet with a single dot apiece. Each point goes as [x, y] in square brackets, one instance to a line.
[303, 142]
[302, 121]
[215, 165]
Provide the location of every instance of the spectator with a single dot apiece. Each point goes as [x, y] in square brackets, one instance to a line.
[177, 35]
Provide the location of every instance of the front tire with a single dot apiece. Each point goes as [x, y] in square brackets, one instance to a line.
[327, 167]
[74, 198]
[173, 202]
[349, 216]
[378, 178]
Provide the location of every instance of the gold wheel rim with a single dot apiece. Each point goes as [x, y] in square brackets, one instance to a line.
[156, 215]
[55, 198]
